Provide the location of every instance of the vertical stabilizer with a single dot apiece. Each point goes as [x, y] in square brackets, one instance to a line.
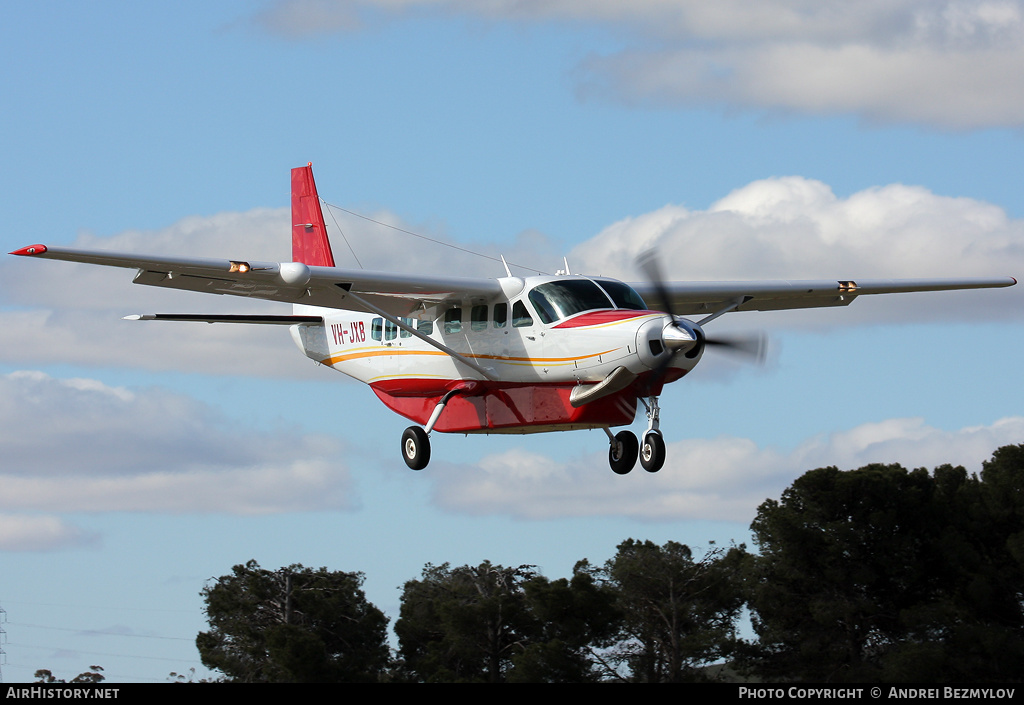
[309, 233]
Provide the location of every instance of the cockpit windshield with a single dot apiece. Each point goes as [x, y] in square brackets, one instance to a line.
[624, 296]
[557, 300]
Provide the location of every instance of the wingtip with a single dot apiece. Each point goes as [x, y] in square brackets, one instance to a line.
[30, 250]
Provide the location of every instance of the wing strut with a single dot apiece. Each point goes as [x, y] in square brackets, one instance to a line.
[265, 320]
[736, 303]
[429, 341]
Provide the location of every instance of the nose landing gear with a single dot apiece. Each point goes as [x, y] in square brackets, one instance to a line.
[652, 451]
[624, 448]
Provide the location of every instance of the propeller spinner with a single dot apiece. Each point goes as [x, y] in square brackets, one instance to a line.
[681, 336]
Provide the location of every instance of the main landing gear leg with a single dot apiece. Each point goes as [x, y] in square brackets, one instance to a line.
[416, 440]
[652, 450]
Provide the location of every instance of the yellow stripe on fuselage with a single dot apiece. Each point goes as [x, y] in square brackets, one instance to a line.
[362, 353]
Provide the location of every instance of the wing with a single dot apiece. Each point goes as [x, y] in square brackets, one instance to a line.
[696, 298]
[289, 282]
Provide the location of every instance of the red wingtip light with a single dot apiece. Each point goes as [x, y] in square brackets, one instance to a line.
[30, 250]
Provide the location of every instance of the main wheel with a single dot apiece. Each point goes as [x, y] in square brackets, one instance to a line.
[652, 452]
[622, 454]
[415, 448]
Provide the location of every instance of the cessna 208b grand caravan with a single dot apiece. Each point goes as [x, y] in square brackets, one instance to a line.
[506, 355]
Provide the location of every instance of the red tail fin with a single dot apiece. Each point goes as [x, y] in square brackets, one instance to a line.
[309, 233]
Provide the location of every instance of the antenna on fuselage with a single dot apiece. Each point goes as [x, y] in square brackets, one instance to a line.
[507, 270]
[564, 272]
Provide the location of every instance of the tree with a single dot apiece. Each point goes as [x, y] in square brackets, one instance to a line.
[887, 574]
[94, 675]
[678, 614]
[488, 623]
[295, 624]
[463, 624]
[574, 619]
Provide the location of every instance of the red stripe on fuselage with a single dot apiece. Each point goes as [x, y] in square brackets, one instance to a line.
[597, 318]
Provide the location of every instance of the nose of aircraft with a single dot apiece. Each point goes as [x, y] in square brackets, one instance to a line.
[682, 336]
[660, 340]
[677, 337]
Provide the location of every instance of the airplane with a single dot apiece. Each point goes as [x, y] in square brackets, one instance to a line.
[492, 355]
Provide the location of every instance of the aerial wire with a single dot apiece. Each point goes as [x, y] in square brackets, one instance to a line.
[422, 237]
[343, 233]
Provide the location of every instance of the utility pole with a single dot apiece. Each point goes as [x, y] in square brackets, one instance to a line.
[3, 640]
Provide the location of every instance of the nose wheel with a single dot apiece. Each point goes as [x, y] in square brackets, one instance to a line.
[624, 448]
[652, 451]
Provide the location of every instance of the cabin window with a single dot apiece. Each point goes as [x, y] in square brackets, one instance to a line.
[478, 317]
[557, 300]
[453, 321]
[404, 333]
[623, 295]
[376, 328]
[390, 330]
[521, 318]
[500, 315]
[425, 327]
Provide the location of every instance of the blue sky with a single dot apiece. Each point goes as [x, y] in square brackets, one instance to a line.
[786, 140]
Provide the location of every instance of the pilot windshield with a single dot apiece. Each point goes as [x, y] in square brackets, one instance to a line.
[624, 296]
[557, 300]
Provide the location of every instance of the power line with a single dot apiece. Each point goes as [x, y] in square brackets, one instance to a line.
[3, 640]
[96, 632]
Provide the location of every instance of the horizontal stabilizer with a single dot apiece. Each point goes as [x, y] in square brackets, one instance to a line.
[230, 318]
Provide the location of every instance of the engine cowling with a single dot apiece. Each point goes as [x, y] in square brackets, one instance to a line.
[661, 339]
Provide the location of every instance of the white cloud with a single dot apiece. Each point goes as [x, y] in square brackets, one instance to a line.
[941, 87]
[296, 19]
[950, 64]
[73, 445]
[796, 228]
[30, 532]
[725, 478]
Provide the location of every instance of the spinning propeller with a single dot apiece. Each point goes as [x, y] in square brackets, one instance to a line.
[681, 335]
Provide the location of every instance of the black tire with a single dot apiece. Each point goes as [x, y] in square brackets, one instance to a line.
[623, 452]
[652, 452]
[415, 448]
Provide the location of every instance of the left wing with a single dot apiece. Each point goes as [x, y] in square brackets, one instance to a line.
[288, 282]
[696, 298]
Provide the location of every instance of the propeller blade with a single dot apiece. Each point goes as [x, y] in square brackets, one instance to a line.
[648, 263]
[753, 347]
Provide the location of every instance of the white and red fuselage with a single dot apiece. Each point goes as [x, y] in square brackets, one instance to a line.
[533, 343]
[479, 355]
